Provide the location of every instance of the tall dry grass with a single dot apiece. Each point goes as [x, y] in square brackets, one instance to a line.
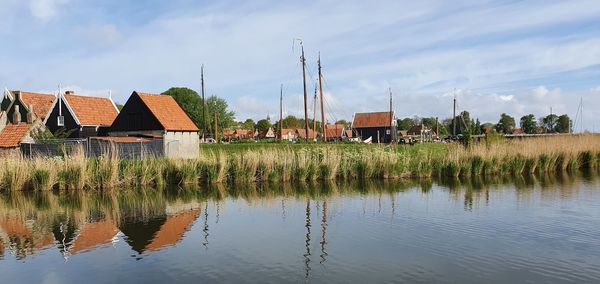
[305, 164]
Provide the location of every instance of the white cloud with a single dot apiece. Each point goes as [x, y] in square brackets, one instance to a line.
[45, 9]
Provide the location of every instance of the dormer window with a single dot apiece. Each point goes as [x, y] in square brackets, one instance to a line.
[60, 121]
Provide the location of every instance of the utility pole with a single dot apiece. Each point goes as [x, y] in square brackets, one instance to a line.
[281, 113]
[454, 115]
[203, 102]
[323, 124]
[303, 59]
[391, 118]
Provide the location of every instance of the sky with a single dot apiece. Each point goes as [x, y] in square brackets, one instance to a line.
[517, 57]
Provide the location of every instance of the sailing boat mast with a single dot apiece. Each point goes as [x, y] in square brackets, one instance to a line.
[315, 111]
[281, 113]
[203, 102]
[322, 108]
[303, 59]
[391, 118]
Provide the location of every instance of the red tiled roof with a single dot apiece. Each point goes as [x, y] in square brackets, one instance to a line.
[334, 130]
[372, 119]
[12, 135]
[92, 110]
[93, 235]
[302, 133]
[168, 112]
[41, 103]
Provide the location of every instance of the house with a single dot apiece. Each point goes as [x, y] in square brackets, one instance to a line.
[301, 132]
[83, 116]
[336, 132]
[26, 102]
[14, 132]
[289, 134]
[379, 126]
[158, 116]
[267, 134]
[243, 134]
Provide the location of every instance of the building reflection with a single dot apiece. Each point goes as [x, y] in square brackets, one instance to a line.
[153, 220]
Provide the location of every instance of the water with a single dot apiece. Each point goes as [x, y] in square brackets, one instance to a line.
[543, 229]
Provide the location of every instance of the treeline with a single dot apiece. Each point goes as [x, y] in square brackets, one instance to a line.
[465, 125]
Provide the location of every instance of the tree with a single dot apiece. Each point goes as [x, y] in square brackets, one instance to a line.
[430, 122]
[190, 102]
[224, 116]
[506, 123]
[405, 123]
[343, 122]
[528, 124]
[476, 127]
[291, 122]
[248, 124]
[563, 124]
[262, 125]
[549, 122]
[119, 107]
[463, 123]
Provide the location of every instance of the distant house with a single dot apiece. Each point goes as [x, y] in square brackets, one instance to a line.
[159, 116]
[336, 132]
[267, 134]
[84, 116]
[289, 134]
[379, 126]
[243, 134]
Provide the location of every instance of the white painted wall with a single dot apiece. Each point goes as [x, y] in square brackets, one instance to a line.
[182, 145]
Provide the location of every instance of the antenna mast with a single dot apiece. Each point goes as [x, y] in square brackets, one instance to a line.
[323, 123]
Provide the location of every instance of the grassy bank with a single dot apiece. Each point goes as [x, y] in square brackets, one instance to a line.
[220, 164]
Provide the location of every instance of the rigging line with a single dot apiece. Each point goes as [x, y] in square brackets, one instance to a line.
[328, 88]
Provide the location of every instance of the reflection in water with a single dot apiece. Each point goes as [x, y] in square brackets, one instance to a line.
[307, 242]
[324, 233]
[149, 221]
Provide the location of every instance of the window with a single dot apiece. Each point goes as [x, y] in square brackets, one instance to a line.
[387, 132]
[60, 121]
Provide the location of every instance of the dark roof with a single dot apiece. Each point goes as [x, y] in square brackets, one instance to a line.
[168, 112]
[372, 119]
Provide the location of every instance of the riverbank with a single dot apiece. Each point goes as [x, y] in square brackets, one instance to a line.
[219, 164]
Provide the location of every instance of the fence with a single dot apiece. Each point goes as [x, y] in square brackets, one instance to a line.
[124, 148]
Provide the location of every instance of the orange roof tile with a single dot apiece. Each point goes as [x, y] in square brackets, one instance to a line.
[334, 130]
[302, 133]
[168, 112]
[41, 102]
[12, 135]
[372, 119]
[92, 110]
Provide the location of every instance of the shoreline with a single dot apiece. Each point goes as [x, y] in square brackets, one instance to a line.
[222, 164]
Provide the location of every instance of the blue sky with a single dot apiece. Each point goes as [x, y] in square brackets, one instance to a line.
[517, 57]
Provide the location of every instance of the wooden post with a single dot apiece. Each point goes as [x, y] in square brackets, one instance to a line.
[281, 113]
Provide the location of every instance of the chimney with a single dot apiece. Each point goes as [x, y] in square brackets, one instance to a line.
[69, 93]
[30, 115]
[16, 115]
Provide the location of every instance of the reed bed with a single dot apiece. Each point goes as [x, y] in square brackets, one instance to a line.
[285, 163]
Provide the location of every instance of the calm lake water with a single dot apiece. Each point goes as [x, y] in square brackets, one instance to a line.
[499, 230]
